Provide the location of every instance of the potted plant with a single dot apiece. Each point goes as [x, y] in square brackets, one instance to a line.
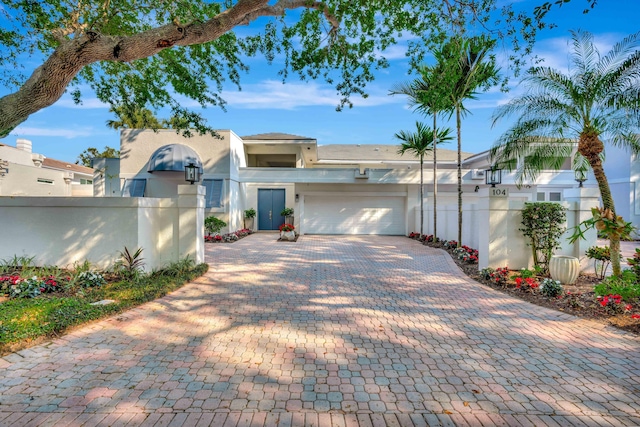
[287, 213]
[249, 216]
[287, 232]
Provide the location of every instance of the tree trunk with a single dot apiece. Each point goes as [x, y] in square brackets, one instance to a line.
[421, 195]
[590, 146]
[435, 181]
[458, 126]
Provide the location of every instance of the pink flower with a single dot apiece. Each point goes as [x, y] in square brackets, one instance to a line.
[628, 307]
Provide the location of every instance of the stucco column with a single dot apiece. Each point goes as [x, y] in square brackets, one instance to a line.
[492, 224]
[191, 222]
[584, 199]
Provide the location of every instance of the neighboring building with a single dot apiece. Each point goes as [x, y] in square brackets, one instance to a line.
[334, 189]
[25, 173]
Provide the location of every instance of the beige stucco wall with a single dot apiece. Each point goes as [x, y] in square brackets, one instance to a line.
[137, 146]
[64, 230]
[22, 180]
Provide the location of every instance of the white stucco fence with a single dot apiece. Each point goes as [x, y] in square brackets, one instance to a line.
[64, 230]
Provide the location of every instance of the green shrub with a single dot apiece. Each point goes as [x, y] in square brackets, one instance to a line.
[625, 285]
[543, 224]
[250, 213]
[287, 212]
[213, 224]
[601, 256]
[550, 288]
[635, 262]
[90, 279]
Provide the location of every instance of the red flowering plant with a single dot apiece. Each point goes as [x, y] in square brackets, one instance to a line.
[611, 303]
[287, 227]
[414, 235]
[466, 254]
[526, 280]
[527, 284]
[450, 244]
[498, 276]
[50, 284]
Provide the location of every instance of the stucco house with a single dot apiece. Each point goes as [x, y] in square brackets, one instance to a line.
[25, 173]
[333, 189]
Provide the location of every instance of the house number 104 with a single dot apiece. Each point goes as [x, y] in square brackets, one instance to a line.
[499, 192]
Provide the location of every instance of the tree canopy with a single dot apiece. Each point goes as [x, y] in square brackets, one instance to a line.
[153, 53]
[91, 153]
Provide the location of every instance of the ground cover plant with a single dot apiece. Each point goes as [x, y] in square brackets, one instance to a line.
[612, 300]
[228, 237]
[38, 303]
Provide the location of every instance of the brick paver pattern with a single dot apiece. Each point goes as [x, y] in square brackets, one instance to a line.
[329, 331]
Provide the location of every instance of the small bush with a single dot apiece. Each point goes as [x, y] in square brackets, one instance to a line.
[551, 288]
[635, 262]
[213, 224]
[601, 256]
[625, 285]
[26, 288]
[90, 279]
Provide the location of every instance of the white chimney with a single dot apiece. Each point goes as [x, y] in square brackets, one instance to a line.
[23, 144]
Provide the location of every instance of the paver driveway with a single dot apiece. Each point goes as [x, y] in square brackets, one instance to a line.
[329, 331]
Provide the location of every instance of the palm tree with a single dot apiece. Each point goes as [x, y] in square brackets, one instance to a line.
[598, 98]
[428, 95]
[420, 143]
[469, 66]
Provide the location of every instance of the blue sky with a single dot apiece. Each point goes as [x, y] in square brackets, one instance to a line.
[64, 130]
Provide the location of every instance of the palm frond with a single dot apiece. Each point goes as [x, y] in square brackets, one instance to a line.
[585, 53]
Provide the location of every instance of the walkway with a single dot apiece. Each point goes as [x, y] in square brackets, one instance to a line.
[329, 331]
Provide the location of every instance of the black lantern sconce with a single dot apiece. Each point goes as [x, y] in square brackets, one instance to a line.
[581, 176]
[493, 176]
[191, 173]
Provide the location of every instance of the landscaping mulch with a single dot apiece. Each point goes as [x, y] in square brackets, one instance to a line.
[579, 299]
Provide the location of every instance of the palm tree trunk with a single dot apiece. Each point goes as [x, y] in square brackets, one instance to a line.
[421, 194]
[607, 202]
[458, 125]
[590, 146]
[435, 181]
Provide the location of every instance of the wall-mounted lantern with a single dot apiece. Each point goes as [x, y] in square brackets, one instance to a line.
[191, 173]
[581, 176]
[493, 176]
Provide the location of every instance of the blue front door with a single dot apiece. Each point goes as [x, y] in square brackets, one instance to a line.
[270, 204]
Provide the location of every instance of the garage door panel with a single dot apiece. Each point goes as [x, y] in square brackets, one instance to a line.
[354, 215]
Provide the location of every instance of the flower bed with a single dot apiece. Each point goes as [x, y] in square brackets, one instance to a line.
[614, 302]
[229, 237]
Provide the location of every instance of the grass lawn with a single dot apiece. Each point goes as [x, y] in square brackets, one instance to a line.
[28, 321]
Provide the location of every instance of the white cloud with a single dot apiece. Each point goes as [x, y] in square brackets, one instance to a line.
[272, 94]
[64, 133]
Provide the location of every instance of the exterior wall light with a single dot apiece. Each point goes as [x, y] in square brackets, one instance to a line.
[191, 173]
[581, 176]
[493, 176]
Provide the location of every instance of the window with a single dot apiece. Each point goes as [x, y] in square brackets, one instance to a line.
[134, 187]
[555, 196]
[45, 181]
[86, 181]
[213, 197]
[551, 196]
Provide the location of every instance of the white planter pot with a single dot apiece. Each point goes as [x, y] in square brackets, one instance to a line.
[564, 268]
[288, 235]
